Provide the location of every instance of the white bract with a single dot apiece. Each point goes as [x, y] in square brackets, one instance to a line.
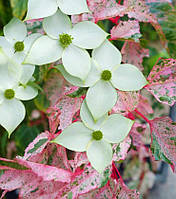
[107, 75]
[63, 40]
[44, 8]
[95, 138]
[16, 44]
[15, 40]
[13, 88]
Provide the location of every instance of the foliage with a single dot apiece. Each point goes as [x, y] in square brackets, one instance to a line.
[89, 100]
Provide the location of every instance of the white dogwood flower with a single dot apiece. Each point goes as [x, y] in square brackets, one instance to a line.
[45, 8]
[16, 44]
[63, 40]
[107, 75]
[95, 138]
[13, 88]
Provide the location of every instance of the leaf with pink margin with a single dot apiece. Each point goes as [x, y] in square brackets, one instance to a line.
[121, 150]
[29, 184]
[48, 172]
[11, 164]
[53, 114]
[162, 81]
[126, 102]
[144, 106]
[37, 145]
[139, 10]
[125, 29]
[133, 53]
[164, 133]
[15, 179]
[68, 107]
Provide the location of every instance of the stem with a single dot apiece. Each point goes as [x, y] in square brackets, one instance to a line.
[116, 171]
[146, 119]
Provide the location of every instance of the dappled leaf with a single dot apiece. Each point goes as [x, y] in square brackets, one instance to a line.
[162, 81]
[133, 53]
[37, 145]
[164, 131]
[136, 134]
[121, 150]
[68, 107]
[127, 102]
[125, 29]
[144, 106]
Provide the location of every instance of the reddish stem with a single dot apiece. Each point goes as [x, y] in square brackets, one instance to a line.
[146, 119]
[116, 171]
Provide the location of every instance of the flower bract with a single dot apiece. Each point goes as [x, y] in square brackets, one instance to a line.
[67, 42]
[95, 137]
[45, 8]
[107, 75]
[13, 88]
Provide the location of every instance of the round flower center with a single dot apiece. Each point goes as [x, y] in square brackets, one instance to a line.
[106, 75]
[9, 93]
[65, 40]
[19, 46]
[97, 135]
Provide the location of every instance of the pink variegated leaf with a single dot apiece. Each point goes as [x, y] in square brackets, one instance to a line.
[48, 172]
[162, 81]
[136, 133]
[127, 102]
[164, 139]
[104, 9]
[126, 193]
[79, 160]
[139, 10]
[125, 29]
[55, 86]
[37, 145]
[133, 53]
[15, 179]
[157, 1]
[68, 107]
[107, 191]
[100, 10]
[29, 184]
[57, 156]
[121, 150]
[144, 106]
[54, 118]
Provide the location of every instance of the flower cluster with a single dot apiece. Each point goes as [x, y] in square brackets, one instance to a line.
[102, 72]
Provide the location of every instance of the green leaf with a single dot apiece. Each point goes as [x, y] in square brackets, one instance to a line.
[14, 165]
[25, 135]
[78, 93]
[19, 8]
[38, 145]
[41, 102]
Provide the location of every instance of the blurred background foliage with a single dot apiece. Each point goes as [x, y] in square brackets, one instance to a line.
[36, 122]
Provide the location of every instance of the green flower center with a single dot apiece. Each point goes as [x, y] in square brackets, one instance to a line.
[19, 46]
[65, 40]
[97, 135]
[9, 93]
[106, 75]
